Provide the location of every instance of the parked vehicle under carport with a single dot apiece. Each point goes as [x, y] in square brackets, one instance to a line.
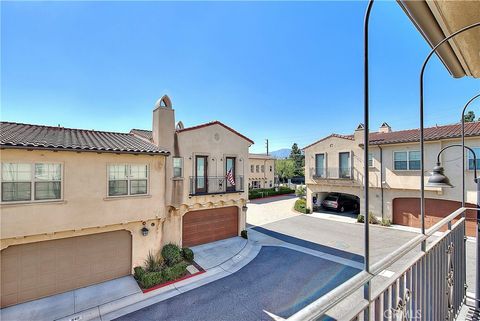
[341, 202]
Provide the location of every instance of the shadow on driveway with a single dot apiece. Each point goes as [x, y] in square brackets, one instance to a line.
[311, 245]
[280, 281]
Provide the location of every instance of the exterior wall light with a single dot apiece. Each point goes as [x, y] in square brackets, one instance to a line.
[144, 231]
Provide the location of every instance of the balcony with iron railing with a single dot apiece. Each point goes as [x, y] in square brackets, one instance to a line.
[331, 173]
[205, 185]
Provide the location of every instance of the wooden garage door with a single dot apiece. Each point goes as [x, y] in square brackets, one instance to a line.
[406, 211]
[35, 270]
[209, 225]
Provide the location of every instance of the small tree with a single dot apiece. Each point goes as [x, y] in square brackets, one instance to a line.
[285, 169]
[297, 156]
[469, 117]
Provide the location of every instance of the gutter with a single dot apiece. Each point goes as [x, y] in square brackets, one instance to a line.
[422, 17]
[381, 179]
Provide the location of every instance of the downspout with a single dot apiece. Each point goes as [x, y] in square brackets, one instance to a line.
[381, 179]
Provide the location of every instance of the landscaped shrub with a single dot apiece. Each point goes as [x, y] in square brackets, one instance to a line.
[187, 254]
[171, 254]
[386, 222]
[174, 272]
[372, 219]
[301, 206]
[301, 191]
[264, 192]
[138, 272]
[150, 279]
[244, 234]
[152, 263]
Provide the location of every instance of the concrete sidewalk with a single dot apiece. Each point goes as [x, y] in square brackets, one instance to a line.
[71, 302]
[213, 254]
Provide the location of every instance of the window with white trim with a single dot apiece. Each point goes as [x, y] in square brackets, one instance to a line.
[370, 159]
[471, 165]
[262, 168]
[127, 179]
[407, 160]
[31, 182]
[177, 166]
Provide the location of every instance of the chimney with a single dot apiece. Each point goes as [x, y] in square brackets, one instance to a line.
[359, 134]
[163, 129]
[385, 128]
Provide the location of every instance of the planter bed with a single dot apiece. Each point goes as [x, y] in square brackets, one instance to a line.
[161, 285]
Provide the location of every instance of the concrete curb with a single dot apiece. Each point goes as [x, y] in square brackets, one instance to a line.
[131, 303]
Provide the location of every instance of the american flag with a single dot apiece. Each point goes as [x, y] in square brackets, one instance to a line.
[230, 177]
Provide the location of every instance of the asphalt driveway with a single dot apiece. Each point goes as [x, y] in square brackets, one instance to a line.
[279, 281]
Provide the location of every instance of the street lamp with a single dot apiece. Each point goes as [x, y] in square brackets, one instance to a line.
[438, 179]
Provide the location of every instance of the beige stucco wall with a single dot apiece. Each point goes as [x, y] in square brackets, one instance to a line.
[216, 142]
[267, 177]
[396, 183]
[85, 207]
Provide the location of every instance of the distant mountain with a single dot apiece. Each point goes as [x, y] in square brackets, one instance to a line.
[281, 153]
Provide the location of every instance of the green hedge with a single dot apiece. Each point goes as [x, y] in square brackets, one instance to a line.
[170, 266]
[264, 192]
[301, 206]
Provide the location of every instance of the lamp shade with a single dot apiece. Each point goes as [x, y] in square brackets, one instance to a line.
[438, 179]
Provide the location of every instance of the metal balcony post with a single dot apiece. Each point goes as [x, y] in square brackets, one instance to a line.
[422, 137]
[367, 287]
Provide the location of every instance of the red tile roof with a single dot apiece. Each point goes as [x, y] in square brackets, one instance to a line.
[216, 122]
[430, 134]
[17, 135]
[147, 134]
[413, 135]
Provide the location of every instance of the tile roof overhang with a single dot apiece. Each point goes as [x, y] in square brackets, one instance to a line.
[27, 136]
[216, 122]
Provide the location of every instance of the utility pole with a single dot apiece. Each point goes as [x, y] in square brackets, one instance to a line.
[266, 144]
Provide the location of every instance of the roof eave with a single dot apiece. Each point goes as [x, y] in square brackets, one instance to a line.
[81, 150]
[422, 17]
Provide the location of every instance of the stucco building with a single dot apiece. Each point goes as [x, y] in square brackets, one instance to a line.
[335, 164]
[261, 171]
[80, 207]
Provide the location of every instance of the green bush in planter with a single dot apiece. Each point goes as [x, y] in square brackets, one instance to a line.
[301, 206]
[244, 234]
[150, 279]
[187, 254]
[386, 222]
[138, 272]
[174, 272]
[171, 254]
[152, 263]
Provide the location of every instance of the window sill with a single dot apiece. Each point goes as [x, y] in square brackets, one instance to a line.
[29, 203]
[177, 178]
[123, 197]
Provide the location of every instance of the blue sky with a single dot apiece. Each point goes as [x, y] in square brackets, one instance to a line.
[287, 71]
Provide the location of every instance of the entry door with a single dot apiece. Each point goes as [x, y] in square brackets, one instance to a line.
[230, 165]
[201, 177]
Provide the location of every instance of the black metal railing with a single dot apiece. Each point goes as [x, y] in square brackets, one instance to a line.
[204, 185]
[331, 173]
